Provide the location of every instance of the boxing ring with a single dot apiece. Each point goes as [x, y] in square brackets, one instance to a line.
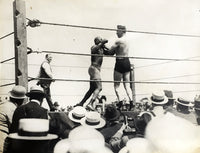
[71, 81]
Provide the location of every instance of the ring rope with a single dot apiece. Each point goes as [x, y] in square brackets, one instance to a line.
[29, 51]
[7, 84]
[133, 57]
[38, 23]
[107, 81]
[6, 35]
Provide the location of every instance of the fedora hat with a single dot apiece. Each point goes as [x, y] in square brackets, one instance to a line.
[36, 90]
[77, 114]
[169, 94]
[93, 119]
[33, 129]
[17, 92]
[111, 113]
[184, 102]
[158, 98]
[197, 102]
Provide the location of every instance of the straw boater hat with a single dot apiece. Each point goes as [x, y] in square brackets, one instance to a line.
[158, 98]
[137, 145]
[184, 102]
[93, 119]
[36, 90]
[77, 114]
[17, 92]
[82, 139]
[33, 129]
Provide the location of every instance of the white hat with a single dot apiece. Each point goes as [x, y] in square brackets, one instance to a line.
[17, 92]
[184, 102]
[137, 145]
[82, 139]
[77, 114]
[33, 129]
[93, 119]
[173, 134]
[158, 98]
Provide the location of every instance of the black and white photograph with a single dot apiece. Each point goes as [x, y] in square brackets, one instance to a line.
[90, 76]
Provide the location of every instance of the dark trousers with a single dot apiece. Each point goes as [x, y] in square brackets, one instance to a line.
[47, 91]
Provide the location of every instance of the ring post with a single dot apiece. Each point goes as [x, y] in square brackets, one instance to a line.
[20, 41]
[132, 84]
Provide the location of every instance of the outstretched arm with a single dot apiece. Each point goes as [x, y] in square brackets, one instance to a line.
[110, 51]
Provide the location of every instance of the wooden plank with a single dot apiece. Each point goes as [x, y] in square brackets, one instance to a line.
[132, 78]
[20, 41]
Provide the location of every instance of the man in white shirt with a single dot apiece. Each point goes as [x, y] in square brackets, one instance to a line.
[47, 75]
[7, 108]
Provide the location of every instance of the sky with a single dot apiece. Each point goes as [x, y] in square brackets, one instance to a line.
[164, 16]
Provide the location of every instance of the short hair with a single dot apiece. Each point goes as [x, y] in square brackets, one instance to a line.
[47, 55]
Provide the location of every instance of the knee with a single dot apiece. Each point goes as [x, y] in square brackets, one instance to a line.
[99, 88]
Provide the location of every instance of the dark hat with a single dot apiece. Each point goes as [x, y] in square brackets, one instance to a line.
[111, 113]
[169, 94]
[17, 92]
[36, 90]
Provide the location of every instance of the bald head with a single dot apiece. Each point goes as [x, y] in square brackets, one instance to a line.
[97, 40]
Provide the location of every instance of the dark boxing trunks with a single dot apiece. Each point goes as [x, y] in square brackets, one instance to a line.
[122, 65]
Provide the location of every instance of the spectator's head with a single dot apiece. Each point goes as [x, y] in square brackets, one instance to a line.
[97, 40]
[158, 98]
[197, 105]
[172, 134]
[141, 122]
[48, 58]
[145, 102]
[77, 113]
[121, 30]
[82, 139]
[36, 92]
[169, 95]
[111, 113]
[137, 145]
[93, 119]
[17, 94]
[183, 105]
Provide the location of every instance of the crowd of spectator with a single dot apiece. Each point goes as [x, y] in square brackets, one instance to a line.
[159, 123]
